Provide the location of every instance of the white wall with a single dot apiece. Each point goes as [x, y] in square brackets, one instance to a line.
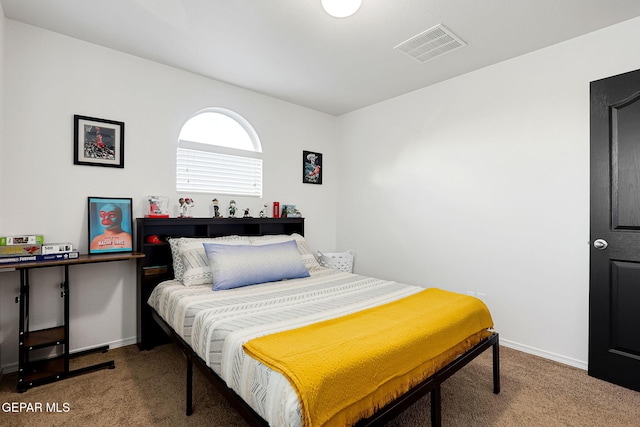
[49, 78]
[481, 184]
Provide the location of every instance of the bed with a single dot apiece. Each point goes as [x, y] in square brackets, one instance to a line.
[234, 332]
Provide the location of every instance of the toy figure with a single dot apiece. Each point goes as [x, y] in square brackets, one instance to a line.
[153, 206]
[263, 212]
[185, 207]
[232, 209]
[246, 213]
[216, 209]
[188, 205]
[181, 208]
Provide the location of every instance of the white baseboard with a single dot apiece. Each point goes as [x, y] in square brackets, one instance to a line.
[545, 354]
[13, 367]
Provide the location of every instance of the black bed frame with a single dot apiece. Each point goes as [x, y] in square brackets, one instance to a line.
[153, 330]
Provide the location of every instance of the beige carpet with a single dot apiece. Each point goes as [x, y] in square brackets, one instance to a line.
[147, 389]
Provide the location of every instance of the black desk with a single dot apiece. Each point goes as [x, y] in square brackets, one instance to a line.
[35, 373]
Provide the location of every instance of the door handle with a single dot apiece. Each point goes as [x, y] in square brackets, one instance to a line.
[600, 244]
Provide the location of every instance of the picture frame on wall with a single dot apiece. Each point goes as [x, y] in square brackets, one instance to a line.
[311, 167]
[98, 142]
[110, 225]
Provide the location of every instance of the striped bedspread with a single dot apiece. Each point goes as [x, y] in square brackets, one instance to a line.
[217, 324]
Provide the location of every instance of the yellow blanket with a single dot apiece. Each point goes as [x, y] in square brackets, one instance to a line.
[344, 369]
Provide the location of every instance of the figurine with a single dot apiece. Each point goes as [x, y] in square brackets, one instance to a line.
[185, 207]
[246, 213]
[216, 209]
[263, 212]
[181, 208]
[232, 209]
[189, 204]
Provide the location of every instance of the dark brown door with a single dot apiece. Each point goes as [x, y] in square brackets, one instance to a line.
[614, 297]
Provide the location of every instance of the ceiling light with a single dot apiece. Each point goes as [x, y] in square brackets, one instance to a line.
[341, 8]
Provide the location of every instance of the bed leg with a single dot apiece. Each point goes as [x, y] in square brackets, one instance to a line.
[436, 407]
[189, 385]
[496, 367]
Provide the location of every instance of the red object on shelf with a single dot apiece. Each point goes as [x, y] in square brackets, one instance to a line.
[276, 209]
[153, 239]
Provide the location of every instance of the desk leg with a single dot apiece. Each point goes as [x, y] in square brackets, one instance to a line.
[23, 299]
[65, 294]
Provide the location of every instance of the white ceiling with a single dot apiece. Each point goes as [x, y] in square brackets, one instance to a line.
[293, 50]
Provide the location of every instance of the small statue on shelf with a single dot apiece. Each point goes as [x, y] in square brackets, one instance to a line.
[216, 209]
[181, 208]
[246, 213]
[232, 209]
[186, 204]
[263, 212]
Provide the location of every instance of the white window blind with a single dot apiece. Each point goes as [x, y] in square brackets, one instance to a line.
[226, 167]
[216, 173]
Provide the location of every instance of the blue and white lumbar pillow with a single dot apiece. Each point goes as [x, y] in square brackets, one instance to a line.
[243, 265]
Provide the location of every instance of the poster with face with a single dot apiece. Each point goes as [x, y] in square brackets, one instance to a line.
[110, 225]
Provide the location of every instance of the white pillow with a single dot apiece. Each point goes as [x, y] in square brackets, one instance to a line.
[234, 266]
[308, 257]
[178, 264]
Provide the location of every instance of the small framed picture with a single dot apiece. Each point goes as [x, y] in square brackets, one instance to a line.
[110, 225]
[311, 167]
[290, 211]
[98, 142]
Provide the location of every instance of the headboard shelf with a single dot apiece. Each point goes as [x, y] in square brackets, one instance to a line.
[157, 264]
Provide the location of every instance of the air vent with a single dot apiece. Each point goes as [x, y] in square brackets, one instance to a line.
[430, 44]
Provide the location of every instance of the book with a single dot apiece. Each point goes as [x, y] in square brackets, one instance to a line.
[18, 250]
[56, 248]
[36, 258]
[27, 239]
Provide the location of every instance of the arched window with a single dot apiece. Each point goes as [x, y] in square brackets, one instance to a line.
[219, 152]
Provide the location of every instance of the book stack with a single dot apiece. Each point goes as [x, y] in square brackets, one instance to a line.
[31, 247]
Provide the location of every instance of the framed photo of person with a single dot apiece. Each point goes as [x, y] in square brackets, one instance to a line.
[311, 167]
[110, 225]
[98, 142]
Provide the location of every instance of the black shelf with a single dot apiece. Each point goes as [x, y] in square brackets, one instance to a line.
[43, 338]
[41, 372]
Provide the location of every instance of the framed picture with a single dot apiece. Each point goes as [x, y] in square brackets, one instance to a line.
[110, 225]
[290, 211]
[98, 142]
[311, 167]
